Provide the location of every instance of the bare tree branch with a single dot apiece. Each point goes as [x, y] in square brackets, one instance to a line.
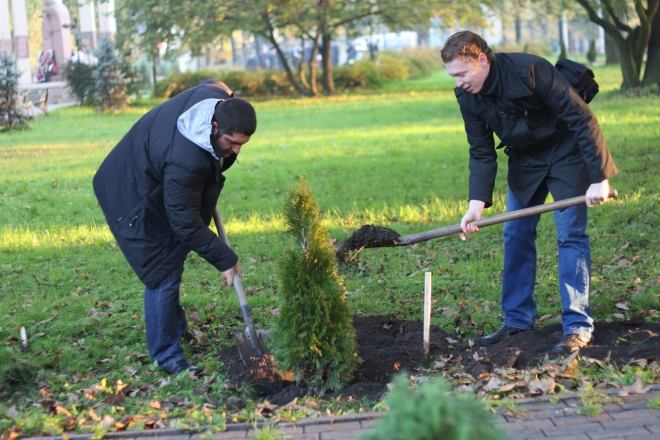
[618, 23]
[611, 29]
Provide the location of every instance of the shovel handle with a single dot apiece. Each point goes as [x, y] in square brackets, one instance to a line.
[499, 218]
[238, 286]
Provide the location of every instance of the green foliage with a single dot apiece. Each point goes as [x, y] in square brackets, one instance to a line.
[362, 74]
[391, 66]
[12, 114]
[178, 82]
[433, 412]
[421, 61]
[539, 48]
[109, 82]
[314, 336]
[80, 78]
[242, 82]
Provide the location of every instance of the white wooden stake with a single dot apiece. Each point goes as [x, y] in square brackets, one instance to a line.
[427, 312]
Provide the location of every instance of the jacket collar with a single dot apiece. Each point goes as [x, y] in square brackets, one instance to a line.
[503, 80]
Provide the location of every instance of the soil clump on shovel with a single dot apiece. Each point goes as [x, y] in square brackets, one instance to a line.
[368, 236]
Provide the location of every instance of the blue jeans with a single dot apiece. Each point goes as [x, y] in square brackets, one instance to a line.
[574, 262]
[166, 323]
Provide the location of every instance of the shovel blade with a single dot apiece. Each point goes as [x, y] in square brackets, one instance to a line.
[250, 349]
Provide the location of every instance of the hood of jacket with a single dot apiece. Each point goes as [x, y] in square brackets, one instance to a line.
[195, 124]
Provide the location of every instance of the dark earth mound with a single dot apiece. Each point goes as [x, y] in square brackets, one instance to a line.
[368, 236]
[388, 345]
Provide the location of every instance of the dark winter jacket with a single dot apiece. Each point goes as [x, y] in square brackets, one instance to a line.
[551, 135]
[158, 190]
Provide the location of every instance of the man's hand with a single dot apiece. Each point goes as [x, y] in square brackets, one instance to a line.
[228, 274]
[598, 193]
[474, 212]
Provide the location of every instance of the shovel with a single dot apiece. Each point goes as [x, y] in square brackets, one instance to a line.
[369, 236]
[249, 342]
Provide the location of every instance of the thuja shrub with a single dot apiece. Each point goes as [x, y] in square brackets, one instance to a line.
[314, 335]
[432, 411]
[109, 81]
[13, 113]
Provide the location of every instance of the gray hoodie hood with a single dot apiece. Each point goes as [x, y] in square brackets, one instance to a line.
[195, 124]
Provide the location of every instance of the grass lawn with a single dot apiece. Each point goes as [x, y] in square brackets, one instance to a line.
[396, 157]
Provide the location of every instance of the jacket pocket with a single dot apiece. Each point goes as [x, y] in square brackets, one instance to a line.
[141, 238]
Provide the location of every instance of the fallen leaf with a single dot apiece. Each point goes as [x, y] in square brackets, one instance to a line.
[623, 262]
[619, 316]
[120, 386]
[542, 386]
[266, 409]
[495, 383]
[155, 405]
[544, 317]
[636, 388]
[60, 410]
[12, 412]
[451, 340]
[622, 305]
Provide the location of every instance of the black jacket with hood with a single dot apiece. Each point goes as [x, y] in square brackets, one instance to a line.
[158, 187]
[551, 135]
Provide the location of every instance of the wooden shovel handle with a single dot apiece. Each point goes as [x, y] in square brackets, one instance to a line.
[499, 218]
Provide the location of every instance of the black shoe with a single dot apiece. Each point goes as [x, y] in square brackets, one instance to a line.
[195, 371]
[180, 366]
[569, 344]
[501, 333]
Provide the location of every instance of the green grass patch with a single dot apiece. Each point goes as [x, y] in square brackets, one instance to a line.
[396, 157]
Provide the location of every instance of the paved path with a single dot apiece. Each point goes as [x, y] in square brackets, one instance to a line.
[531, 419]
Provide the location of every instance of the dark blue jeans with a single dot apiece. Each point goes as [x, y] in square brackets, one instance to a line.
[574, 263]
[166, 323]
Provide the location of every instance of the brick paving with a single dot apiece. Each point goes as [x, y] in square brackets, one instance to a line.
[629, 418]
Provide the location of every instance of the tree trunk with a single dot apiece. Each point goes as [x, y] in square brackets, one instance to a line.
[285, 63]
[302, 77]
[562, 43]
[234, 50]
[154, 62]
[611, 52]
[652, 70]
[518, 26]
[313, 68]
[258, 46]
[326, 56]
[629, 68]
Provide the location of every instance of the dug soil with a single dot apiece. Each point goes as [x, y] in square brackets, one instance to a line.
[388, 345]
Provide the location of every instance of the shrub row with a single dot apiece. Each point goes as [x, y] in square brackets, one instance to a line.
[244, 82]
[410, 63]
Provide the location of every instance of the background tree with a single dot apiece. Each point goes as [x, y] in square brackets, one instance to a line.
[652, 72]
[631, 40]
[12, 113]
[109, 80]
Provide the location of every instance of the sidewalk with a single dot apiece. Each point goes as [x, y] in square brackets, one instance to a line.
[531, 419]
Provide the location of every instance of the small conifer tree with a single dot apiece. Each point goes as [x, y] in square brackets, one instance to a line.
[12, 112]
[433, 411]
[314, 334]
[109, 83]
[80, 78]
